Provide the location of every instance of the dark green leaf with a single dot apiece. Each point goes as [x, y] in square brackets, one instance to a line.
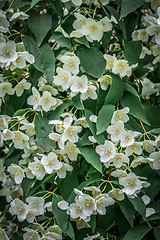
[58, 111]
[83, 41]
[92, 222]
[106, 39]
[91, 157]
[138, 232]
[40, 25]
[60, 215]
[34, 2]
[44, 57]
[104, 117]
[132, 51]
[157, 233]
[139, 205]
[92, 61]
[70, 231]
[135, 106]
[116, 90]
[128, 210]
[57, 6]
[78, 102]
[42, 130]
[153, 115]
[129, 6]
[92, 126]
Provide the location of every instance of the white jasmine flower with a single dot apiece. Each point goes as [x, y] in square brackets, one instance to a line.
[19, 208]
[146, 199]
[92, 237]
[119, 160]
[71, 63]
[131, 184]
[117, 194]
[36, 204]
[92, 139]
[17, 172]
[70, 134]
[90, 93]
[29, 129]
[82, 121]
[4, 24]
[30, 234]
[37, 169]
[156, 157]
[144, 52]
[93, 118]
[49, 88]
[148, 87]
[20, 140]
[92, 29]
[29, 173]
[34, 99]
[51, 162]
[63, 205]
[79, 84]
[46, 101]
[118, 173]
[127, 138]
[142, 35]
[134, 148]
[116, 130]
[57, 138]
[19, 15]
[154, 30]
[21, 86]
[76, 211]
[7, 134]
[63, 78]
[87, 203]
[6, 88]
[139, 160]
[71, 150]
[105, 81]
[122, 68]
[150, 211]
[120, 115]
[62, 171]
[80, 21]
[103, 201]
[107, 26]
[109, 61]
[106, 151]
[8, 52]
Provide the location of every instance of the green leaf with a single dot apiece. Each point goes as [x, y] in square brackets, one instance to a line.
[39, 183]
[78, 102]
[40, 25]
[68, 184]
[60, 39]
[83, 141]
[155, 131]
[153, 115]
[91, 157]
[132, 51]
[129, 6]
[42, 130]
[129, 88]
[27, 185]
[21, 112]
[92, 61]
[100, 138]
[44, 57]
[60, 215]
[92, 222]
[58, 111]
[138, 232]
[104, 117]
[133, 125]
[135, 106]
[106, 39]
[70, 231]
[83, 41]
[139, 205]
[156, 232]
[128, 210]
[57, 6]
[116, 90]
[34, 2]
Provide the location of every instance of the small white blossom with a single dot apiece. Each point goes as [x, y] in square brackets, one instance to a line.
[51, 162]
[17, 172]
[46, 101]
[106, 151]
[19, 208]
[122, 68]
[37, 169]
[120, 115]
[63, 78]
